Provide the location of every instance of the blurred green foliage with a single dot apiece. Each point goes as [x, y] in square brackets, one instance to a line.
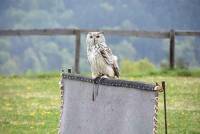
[19, 55]
[136, 67]
[144, 67]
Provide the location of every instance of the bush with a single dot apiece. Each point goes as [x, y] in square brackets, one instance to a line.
[181, 63]
[136, 68]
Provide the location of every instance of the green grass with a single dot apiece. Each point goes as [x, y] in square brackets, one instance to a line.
[31, 104]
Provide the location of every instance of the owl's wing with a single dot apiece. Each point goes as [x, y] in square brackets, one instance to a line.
[106, 53]
[110, 59]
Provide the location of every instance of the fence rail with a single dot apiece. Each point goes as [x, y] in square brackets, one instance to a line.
[77, 32]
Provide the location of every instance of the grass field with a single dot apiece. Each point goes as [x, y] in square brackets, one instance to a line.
[32, 104]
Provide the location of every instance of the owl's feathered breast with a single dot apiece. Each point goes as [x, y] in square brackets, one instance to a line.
[101, 60]
[95, 57]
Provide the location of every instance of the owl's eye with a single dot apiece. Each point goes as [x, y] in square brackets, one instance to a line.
[90, 36]
[97, 36]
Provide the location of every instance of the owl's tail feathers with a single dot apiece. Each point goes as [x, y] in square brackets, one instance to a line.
[116, 71]
[115, 66]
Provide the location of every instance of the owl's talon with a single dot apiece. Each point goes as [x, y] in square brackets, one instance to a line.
[104, 77]
[96, 79]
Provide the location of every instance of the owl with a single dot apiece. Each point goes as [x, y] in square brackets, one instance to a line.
[103, 62]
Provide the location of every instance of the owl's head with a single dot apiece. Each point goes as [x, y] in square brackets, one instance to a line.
[94, 38]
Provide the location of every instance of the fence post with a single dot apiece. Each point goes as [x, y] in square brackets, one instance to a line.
[77, 51]
[172, 49]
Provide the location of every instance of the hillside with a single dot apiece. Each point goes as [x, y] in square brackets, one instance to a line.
[37, 54]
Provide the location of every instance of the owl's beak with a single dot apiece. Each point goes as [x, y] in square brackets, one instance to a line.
[94, 41]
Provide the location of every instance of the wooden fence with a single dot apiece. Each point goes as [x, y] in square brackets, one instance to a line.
[77, 33]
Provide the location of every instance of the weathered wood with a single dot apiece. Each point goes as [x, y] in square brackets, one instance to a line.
[187, 33]
[77, 32]
[77, 51]
[28, 32]
[148, 34]
[172, 49]
[66, 31]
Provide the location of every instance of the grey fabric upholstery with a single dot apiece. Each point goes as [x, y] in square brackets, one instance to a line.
[116, 109]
